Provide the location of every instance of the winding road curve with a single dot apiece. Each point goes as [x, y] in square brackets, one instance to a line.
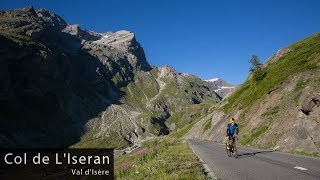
[255, 163]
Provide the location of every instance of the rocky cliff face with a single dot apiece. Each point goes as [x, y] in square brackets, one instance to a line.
[120, 53]
[62, 85]
[281, 109]
[49, 85]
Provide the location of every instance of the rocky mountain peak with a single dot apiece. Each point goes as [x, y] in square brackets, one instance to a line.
[167, 71]
[220, 86]
[27, 13]
[28, 9]
[122, 47]
[51, 19]
[75, 30]
[121, 39]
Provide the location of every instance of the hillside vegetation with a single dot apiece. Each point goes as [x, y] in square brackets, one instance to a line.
[277, 107]
[153, 105]
[302, 56]
[161, 159]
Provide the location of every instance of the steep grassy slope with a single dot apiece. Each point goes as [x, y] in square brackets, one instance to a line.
[277, 107]
[302, 56]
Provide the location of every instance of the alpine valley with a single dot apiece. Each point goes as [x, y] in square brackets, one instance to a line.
[63, 86]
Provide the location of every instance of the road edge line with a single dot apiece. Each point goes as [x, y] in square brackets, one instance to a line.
[207, 171]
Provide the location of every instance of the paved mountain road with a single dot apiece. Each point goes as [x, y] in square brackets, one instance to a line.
[255, 163]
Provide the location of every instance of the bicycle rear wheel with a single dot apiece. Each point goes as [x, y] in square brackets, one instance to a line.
[228, 151]
[235, 153]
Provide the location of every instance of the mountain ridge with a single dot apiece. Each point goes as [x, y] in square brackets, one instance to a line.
[63, 86]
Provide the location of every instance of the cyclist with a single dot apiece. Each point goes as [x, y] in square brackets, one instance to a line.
[232, 132]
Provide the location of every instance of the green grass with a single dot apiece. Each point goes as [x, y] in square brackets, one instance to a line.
[297, 91]
[302, 57]
[88, 140]
[162, 159]
[271, 111]
[176, 118]
[137, 95]
[300, 85]
[248, 139]
[315, 154]
[93, 137]
[183, 131]
[18, 38]
[16, 34]
[207, 125]
[273, 140]
[139, 92]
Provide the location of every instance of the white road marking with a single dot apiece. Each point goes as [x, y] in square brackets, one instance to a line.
[301, 168]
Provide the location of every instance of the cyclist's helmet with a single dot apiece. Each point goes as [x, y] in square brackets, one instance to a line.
[232, 120]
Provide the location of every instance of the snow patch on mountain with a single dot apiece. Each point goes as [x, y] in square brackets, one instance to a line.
[220, 86]
[212, 80]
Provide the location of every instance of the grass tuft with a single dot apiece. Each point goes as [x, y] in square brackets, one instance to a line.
[315, 154]
[271, 111]
[300, 85]
[207, 125]
[255, 135]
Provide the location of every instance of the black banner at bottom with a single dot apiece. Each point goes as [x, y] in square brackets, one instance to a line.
[56, 164]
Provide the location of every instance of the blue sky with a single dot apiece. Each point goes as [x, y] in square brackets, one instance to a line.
[202, 37]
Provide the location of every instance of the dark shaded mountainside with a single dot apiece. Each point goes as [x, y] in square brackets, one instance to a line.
[62, 85]
[277, 107]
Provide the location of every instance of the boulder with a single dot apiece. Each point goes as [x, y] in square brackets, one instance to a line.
[132, 137]
[309, 102]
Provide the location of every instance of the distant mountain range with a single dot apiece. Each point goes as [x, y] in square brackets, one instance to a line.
[220, 86]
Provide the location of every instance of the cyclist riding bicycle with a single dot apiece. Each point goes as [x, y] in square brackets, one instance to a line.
[232, 132]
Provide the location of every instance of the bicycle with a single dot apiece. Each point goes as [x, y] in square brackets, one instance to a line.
[232, 148]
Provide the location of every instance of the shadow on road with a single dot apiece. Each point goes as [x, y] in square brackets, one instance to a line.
[250, 154]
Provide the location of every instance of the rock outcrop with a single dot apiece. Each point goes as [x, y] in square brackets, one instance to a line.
[80, 33]
[309, 99]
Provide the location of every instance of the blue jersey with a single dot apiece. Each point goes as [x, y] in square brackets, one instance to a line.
[231, 130]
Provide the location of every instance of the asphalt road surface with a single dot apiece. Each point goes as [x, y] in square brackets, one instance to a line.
[255, 163]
